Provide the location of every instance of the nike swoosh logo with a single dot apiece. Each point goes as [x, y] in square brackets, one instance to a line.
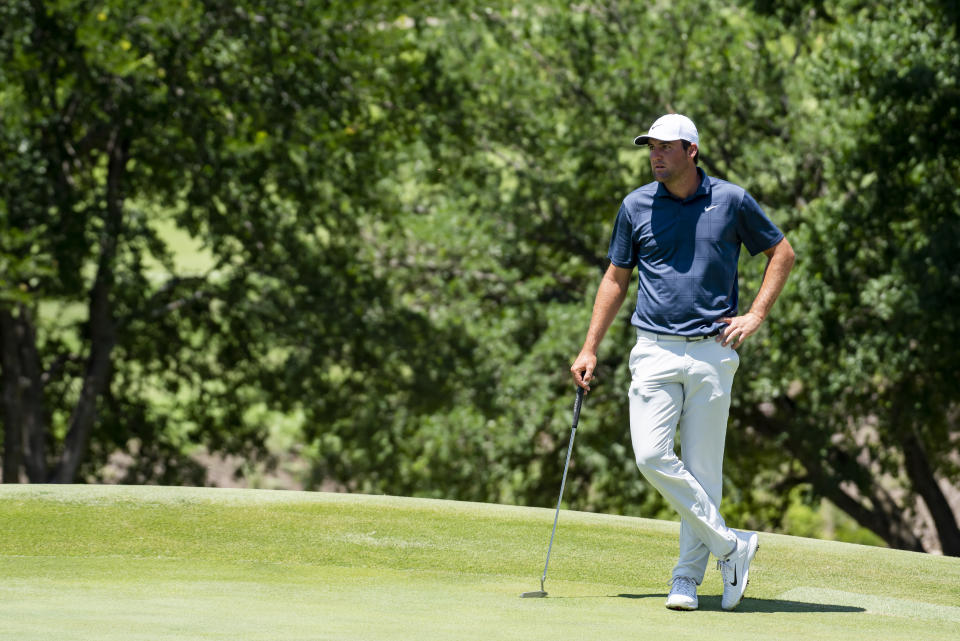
[711, 207]
[734, 582]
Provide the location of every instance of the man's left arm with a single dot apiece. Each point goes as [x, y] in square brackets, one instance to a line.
[780, 259]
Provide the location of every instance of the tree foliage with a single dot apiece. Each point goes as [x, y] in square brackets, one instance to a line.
[196, 114]
[862, 394]
[402, 212]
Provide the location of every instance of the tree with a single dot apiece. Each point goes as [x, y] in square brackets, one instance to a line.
[857, 383]
[530, 105]
[216, 118]
[530, 151]
[402, 213]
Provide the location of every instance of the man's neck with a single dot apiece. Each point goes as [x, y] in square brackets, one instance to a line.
[684, 186]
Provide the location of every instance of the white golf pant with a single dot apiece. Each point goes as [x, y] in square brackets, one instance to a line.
[682, 389]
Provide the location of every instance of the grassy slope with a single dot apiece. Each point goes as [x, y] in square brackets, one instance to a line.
[86, 562]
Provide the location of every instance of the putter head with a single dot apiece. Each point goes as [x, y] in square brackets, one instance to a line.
[537, 594]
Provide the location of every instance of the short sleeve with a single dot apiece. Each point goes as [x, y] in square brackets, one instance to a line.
[757, 232]
[621, 252]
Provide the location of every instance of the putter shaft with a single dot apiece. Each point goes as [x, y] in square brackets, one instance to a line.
[556, 517]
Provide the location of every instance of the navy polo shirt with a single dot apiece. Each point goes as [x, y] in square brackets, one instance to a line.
[686, 253]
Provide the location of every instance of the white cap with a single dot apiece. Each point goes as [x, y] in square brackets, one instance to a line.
[671, 127]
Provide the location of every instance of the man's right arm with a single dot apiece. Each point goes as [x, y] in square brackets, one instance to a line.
[610, 296]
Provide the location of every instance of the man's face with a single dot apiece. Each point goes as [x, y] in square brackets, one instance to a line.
[669, 160]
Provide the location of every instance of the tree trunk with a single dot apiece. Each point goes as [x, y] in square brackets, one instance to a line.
[32, 401]
[103, 332]
[925, 483]
[25, 432]
[12, 421]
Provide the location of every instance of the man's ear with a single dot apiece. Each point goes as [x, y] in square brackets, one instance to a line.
[692, 150]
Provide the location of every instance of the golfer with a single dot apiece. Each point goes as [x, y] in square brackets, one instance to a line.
[683, 234]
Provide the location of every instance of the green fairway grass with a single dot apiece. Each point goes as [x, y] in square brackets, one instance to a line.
[110, 562]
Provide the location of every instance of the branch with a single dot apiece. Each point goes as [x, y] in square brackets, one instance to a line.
[882, 515]
[925, 483]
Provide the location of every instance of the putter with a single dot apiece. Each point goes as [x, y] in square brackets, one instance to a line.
[539, 594]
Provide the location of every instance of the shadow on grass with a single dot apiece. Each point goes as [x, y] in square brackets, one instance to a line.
[757, 605]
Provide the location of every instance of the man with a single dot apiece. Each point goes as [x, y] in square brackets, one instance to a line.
[683, 233]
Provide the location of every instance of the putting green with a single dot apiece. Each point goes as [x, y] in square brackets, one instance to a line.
[95, 562]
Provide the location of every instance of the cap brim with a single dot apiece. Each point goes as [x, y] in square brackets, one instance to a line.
[642, 140]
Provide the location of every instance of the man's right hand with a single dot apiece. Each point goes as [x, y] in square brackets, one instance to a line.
[582, 369]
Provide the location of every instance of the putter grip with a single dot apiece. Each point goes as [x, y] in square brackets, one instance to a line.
[576, 406]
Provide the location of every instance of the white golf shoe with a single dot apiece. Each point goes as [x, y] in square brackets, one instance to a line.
[735, 569]
[683, 594]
